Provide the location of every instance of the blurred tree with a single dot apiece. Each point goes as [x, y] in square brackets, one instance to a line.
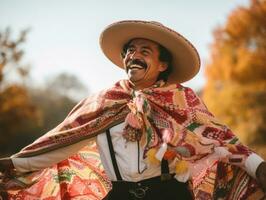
[53, 109]
[67, 85]
[60, 94]
[53, 105]
[10, 57]
[236, 75]
[15, 104]
[27, 112]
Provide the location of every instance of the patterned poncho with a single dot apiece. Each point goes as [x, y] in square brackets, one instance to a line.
[170, 121]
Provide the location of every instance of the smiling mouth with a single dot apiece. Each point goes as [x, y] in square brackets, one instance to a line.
[134, 66]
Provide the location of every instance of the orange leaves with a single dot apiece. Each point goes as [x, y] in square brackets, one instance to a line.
[13, 96]
[15, 107]
[238, 23]
[236, 74]
[239, 48]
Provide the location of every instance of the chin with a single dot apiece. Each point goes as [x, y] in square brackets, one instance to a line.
[134, 79]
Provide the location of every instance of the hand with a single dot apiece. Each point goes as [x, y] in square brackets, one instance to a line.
[6, 165]
[6, 168]
[261, 175]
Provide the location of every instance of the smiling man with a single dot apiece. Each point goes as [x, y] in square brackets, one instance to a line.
[156, 138]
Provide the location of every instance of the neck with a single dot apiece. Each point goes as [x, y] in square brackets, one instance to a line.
[141, 84]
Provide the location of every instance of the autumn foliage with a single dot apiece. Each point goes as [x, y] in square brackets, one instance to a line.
[16, 107]
[236, 74]
[27, 111]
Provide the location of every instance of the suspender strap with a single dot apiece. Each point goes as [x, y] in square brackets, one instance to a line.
[164, 167]
[112, 153]
[165, 175]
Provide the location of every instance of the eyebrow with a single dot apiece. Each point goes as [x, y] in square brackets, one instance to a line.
[143, 47]
[146, 47]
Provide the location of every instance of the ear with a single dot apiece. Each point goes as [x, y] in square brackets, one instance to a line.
[163, 66]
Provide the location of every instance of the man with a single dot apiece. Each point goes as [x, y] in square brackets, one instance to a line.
[156, 138]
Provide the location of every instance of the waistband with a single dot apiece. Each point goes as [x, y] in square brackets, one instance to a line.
[150, 181]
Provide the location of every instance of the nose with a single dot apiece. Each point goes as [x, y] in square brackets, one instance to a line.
[135, 54]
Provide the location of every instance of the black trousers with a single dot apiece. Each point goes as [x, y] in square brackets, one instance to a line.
[150, 189]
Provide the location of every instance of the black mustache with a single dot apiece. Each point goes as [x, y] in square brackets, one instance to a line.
[137, 62]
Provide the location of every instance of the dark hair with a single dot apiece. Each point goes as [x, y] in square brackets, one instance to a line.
[164, 56]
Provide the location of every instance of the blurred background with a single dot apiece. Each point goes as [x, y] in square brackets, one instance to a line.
[50, 59]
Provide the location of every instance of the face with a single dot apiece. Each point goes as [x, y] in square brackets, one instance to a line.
[142, 63]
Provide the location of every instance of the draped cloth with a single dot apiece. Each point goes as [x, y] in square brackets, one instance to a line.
[170, 116]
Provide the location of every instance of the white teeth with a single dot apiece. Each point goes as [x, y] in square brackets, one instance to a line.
[135, 67]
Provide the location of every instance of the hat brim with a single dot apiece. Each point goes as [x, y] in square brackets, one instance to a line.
[186, 61]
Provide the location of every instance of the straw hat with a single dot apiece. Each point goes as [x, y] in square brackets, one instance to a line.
[186, 61]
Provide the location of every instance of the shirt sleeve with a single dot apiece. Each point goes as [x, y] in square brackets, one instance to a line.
[45, 160]
[251, 164]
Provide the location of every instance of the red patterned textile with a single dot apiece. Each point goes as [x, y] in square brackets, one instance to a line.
[163, 117]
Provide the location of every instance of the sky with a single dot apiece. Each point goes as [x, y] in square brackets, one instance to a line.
[64, 34]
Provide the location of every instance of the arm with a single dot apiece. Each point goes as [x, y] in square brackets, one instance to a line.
[41, 161]
[211, 128]
[261, 175]
[6, 165]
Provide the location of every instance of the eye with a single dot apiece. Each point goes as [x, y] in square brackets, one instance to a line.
[130, 50]
[145, 52]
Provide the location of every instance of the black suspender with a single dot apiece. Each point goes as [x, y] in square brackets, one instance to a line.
[112, 153]
[164, 164]
[165, 175]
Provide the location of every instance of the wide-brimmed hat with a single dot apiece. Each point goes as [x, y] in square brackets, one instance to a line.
[186, 61]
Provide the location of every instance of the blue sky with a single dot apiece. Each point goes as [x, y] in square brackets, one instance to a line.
[65, 33]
